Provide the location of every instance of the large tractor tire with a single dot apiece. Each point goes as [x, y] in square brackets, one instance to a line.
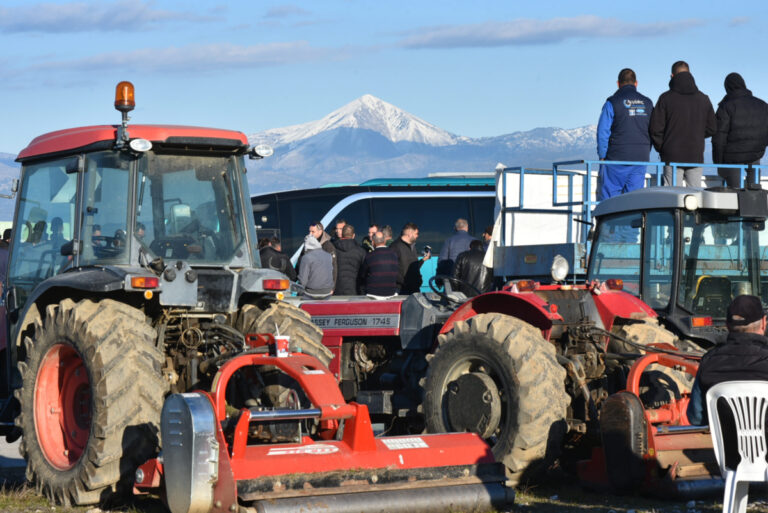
[646, 332]
[495, 375]
[91, 398]
[651, 332]
[281, 318]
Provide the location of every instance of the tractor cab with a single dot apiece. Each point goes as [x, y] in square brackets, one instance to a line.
[685, 252]
[164, 201]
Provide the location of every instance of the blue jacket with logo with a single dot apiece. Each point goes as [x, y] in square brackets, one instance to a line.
[622, 132]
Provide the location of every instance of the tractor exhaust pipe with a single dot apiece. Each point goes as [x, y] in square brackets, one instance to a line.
[475, 498]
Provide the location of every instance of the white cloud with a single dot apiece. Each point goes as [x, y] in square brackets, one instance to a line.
[536, 32]
[286, 11]
[120, 15]
[192, 58]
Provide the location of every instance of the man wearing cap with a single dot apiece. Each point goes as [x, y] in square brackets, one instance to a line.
[743, 356]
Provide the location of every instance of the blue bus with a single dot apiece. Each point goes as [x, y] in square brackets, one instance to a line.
[433, 203]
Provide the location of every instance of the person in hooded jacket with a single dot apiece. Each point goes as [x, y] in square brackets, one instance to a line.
[316, 270]
[742, 130]
[682, 119]
[349, 258]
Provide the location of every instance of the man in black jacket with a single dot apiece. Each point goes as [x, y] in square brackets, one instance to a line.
[470, 269]
[682, 119]
[742, 130]
[272, 257]
[743, 356]
[349, 258]
[409, 276]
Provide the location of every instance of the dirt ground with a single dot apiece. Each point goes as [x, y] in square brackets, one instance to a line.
[17, 497]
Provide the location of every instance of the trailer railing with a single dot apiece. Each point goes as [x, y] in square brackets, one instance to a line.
[543, 211]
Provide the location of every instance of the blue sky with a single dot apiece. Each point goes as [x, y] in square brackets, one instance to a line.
[479, 68]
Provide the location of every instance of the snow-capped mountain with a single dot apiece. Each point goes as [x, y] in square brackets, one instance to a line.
[365, 113]
[370, 138]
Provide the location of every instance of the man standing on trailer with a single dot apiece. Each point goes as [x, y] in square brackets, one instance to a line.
[622, 134]
[742, 131]
[682, 119]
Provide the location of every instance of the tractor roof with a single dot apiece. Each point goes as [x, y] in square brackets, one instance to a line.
[73, 139]
[668, 197]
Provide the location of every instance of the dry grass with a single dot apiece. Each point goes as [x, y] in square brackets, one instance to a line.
[562, 498]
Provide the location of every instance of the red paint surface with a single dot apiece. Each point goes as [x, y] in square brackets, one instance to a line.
[71, 138]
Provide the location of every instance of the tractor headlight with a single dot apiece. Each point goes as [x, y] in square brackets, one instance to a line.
[560, 268]
[691, 202]
[140, 145]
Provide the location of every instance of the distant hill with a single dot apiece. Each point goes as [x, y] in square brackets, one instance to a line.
[370, 138]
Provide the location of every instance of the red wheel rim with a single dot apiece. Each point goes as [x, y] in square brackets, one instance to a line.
[62, 406]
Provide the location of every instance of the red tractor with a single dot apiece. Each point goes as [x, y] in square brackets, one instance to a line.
[534, 368]
[522, 367]
[134, 275]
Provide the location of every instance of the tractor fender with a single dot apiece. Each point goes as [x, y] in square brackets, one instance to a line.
[613, 304]
[93, 280]
[525, 306]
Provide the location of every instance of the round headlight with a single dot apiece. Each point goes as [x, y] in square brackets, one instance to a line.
[691, 202]
[559, 268]
[263, 150]
[140, 145]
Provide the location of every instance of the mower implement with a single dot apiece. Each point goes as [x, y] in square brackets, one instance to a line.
[655, 447]
[211, 463]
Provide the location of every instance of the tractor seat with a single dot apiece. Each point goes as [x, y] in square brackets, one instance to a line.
[713, 295]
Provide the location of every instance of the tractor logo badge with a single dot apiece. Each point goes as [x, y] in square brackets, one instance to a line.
[314, 449]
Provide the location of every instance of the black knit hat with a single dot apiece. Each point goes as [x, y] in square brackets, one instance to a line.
[745, 310]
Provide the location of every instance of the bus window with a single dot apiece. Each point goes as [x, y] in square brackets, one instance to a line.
[434, 216]
[296, 212]
[482, 216]
[358, 214]
[265, 216]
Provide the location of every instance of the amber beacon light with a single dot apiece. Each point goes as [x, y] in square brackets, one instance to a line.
[124, 99]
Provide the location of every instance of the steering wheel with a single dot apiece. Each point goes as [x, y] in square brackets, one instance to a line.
[447, 288]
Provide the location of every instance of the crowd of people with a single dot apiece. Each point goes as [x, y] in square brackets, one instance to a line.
[378, 265]
[676, 127]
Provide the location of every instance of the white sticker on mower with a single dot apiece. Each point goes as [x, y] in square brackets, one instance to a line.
[395, 444]
[315, 450]
[345, 322]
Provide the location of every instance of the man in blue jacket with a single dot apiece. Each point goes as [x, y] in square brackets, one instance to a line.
[622, 134]
[454, 245]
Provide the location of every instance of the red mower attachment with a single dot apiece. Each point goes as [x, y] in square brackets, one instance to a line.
[655, 449]
[212, 460]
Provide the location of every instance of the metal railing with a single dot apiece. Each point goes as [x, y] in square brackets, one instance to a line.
[581, 210]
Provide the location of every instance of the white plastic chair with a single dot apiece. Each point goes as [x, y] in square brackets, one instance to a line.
[748, 401]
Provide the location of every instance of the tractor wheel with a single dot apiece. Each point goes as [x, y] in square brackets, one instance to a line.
[91, 398]
[647, 332]
[281, 318]
[495, 375]
[650, 332]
